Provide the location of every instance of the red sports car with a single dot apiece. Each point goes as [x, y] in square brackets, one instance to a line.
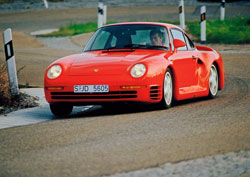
[134, 62]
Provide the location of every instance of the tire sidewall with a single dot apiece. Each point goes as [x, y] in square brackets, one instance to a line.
[164, 101]
[210, 93]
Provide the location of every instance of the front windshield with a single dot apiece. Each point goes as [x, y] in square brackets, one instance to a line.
[129, 37]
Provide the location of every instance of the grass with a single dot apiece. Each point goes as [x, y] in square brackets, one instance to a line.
[73, 29]
[229, 31]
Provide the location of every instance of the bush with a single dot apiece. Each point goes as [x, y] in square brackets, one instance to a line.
[5, 96]
[7, 103]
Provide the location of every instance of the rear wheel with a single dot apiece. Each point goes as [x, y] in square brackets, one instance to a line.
[213, 82]
[61, 110]
[167, 97]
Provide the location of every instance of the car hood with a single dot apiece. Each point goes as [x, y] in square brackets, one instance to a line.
[109, 63]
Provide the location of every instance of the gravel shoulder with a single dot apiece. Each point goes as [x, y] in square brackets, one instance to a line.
[229, 164]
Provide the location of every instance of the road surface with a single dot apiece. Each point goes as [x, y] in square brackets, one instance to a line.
[105, 141]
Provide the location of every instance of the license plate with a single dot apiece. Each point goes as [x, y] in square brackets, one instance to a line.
[91, 88]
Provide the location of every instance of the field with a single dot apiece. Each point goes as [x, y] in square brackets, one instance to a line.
[229, 31]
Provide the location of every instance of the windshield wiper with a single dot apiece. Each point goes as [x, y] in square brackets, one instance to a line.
[136, 46]
[157, 47]
[110, 48]
[117, 49]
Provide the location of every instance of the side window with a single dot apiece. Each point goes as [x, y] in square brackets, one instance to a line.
[171, 41]
[177, 34]
[189, 43]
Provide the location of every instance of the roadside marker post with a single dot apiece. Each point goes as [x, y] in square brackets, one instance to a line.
[203, 25]
[46, 4]
[181, 14]
[222, 10]
[104, 14]
[100, 15]
[10, 61]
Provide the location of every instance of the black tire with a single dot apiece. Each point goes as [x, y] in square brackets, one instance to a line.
[213, 82]
[61, 110]
[167, 90]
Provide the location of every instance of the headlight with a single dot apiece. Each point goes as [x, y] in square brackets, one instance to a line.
[54, 71]
[138, 70]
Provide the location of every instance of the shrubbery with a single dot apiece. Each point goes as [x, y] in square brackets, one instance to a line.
[7, 103]
[5, 96]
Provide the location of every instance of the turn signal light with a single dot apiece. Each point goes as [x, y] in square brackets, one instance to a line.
[133, 86]
[54, 88]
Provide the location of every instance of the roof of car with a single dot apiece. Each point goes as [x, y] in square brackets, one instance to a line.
[146, 23]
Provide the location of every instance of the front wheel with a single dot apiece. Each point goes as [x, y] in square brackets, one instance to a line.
[213, 82]
[61, 110]
[167, 97]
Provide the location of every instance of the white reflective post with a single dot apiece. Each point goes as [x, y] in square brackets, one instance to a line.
[100, 15]
[46, 4]
[222, 10]
[10, 61]
[181, 14]
[104, 14]
[203, 25]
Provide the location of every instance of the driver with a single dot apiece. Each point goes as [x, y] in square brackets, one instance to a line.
[157, 38]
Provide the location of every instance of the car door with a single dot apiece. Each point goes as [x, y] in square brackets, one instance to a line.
[184, 64]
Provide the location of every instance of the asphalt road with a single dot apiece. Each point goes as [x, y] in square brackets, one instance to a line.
[105, 141]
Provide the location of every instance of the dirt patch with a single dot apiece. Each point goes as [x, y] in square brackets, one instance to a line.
[238, 47]
[22, 40]
[21, 102]
[82, 39]
[32, 58]
[9, 103]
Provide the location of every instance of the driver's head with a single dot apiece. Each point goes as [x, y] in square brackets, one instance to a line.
[156, 37]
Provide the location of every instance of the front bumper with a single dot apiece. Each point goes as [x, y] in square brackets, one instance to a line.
[121, 89]
[146, 93]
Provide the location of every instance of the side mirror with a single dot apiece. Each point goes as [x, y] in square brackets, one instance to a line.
[178, 43]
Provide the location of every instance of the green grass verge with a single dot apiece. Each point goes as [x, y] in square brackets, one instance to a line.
[73, 29]
[229, 31]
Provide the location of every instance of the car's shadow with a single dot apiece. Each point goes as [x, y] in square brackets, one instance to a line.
[114, 109]
[117, 109]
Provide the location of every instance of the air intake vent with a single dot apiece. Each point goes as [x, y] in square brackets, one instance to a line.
[155, 92]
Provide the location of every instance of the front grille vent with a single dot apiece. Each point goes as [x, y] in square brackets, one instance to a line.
[86, 96]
